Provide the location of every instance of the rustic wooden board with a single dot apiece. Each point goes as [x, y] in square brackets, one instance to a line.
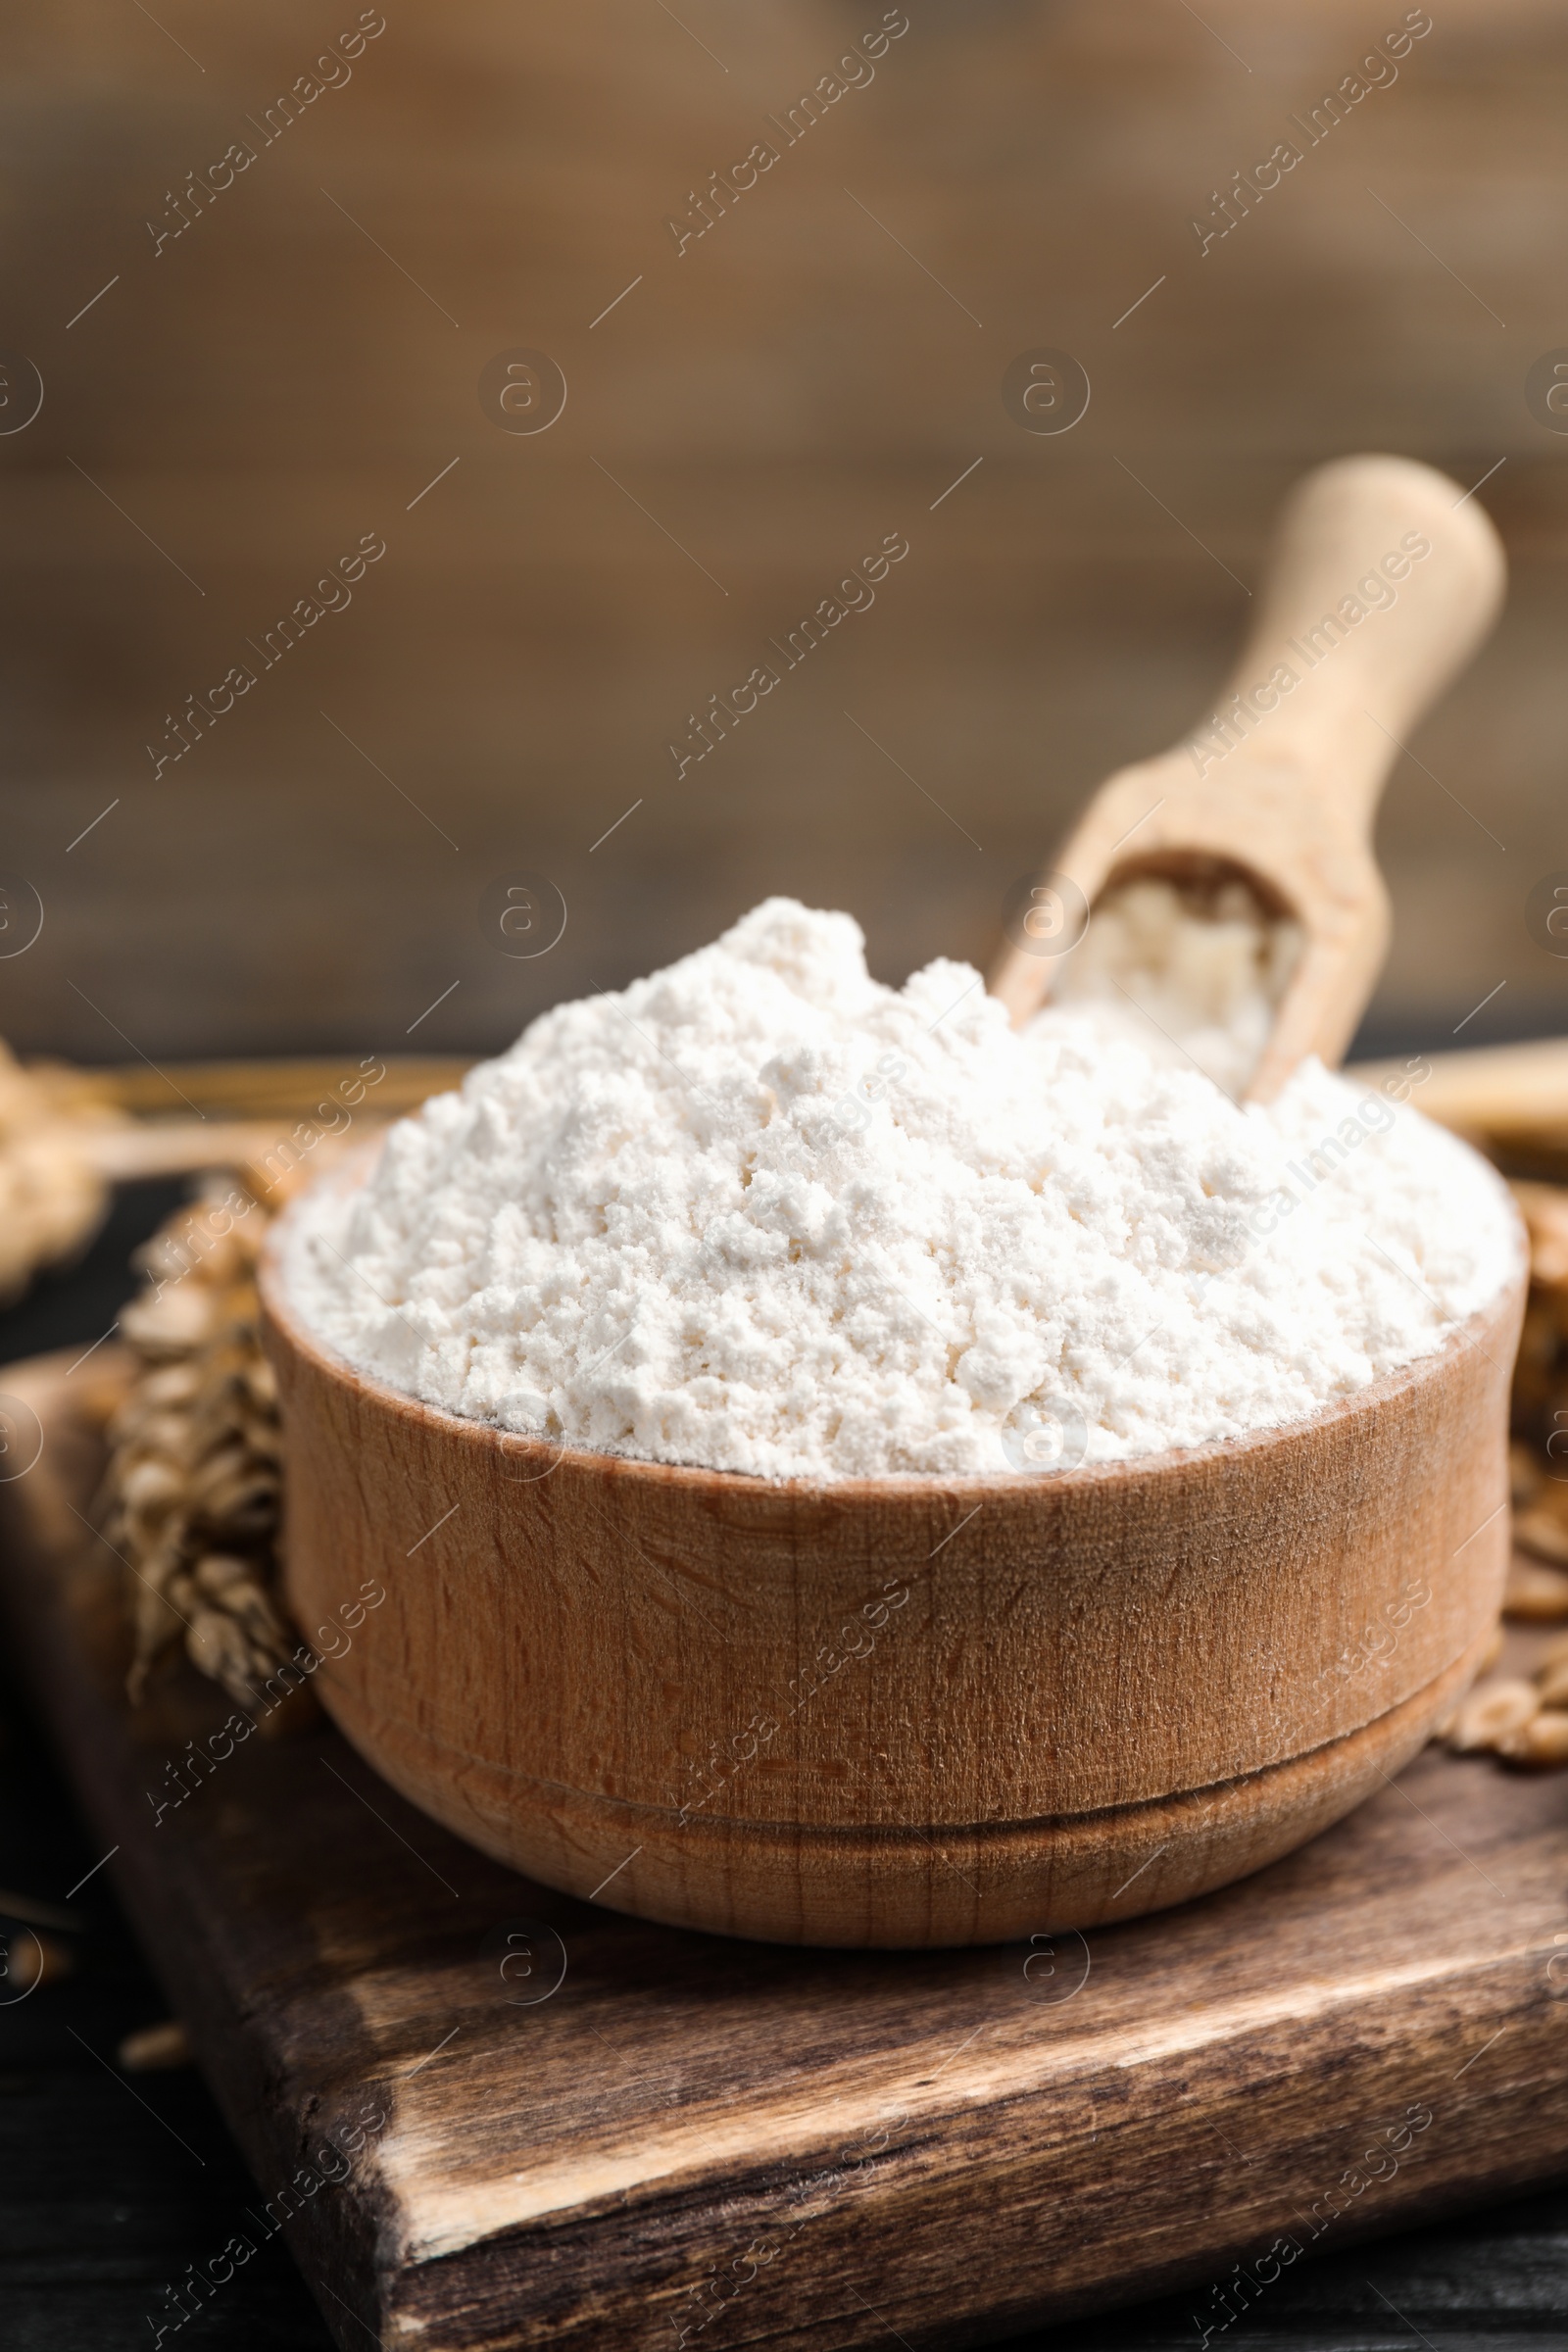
[692, 2140]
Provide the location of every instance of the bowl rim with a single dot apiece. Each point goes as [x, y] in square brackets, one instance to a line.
[882, 1489]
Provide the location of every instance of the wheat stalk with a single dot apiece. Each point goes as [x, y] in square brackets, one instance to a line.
[193, 1485]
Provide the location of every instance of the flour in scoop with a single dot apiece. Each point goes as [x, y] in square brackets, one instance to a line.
[1193, 973]
[763, 1213]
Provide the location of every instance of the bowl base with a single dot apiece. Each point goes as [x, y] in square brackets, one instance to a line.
[896, 1889]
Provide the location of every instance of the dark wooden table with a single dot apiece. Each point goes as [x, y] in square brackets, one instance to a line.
[109, 2190]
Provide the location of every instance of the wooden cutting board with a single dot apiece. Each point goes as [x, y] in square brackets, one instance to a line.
[513, 2118]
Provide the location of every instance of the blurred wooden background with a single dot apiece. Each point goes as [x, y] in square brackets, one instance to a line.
[244, 403]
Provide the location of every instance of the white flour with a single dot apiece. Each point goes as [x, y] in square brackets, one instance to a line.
[1194, 976]
[763, 1213]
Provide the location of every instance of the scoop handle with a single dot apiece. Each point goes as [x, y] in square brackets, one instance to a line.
[1382, 579]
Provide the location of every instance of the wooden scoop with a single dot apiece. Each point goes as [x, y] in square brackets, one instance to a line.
[1382, 580]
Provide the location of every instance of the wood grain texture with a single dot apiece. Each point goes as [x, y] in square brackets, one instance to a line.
[693, 2141]
[779, 396]
[895, 1711]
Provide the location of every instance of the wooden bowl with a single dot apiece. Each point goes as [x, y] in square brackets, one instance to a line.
[896, 1711]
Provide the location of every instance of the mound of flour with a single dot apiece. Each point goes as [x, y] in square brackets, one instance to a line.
[763, 1213]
